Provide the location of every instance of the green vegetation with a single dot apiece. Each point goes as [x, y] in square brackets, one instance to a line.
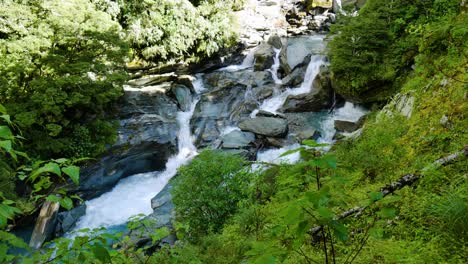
[373, 53]
[207, 194]
[327, 208]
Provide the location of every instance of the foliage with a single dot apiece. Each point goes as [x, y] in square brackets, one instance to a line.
[60, 70]
[207, 191]
[176, 30]
[374, 52]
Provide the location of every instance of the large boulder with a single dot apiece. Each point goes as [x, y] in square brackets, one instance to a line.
[320, 96]
[237, 139]
[66, 220]
[265, 55]
[304, 125]
[267, 126]
[347, 126]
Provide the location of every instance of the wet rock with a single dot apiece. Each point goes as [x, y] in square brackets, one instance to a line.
[277, 142]
[345, 126]
[264, 57]
[224, 79]
[66, 220]
[307, 133]
[45, 224]
[98, 177]
[162, 216]
[153, 79]
[320, 96]
[296, 77]
[304, 125]
[237, 140]
[183, 96]
[267, 126]
[269, 114]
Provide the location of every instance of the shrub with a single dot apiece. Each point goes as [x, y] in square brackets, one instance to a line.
[206, 192]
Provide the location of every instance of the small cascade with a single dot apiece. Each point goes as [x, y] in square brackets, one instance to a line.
[247, 63]
[274, 68]
[349, 112]
[132, 195]
[274, 155]
[277, 100]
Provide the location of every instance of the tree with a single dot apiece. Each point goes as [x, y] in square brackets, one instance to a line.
[61, 68]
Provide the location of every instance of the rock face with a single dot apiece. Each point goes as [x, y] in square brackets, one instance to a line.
[146, 137]
[45, 224]
[267, 126]
[401, 104]
[231, 96]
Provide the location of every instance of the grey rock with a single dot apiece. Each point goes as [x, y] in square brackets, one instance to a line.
[349, 126]
[320, 97]
[264, 57]
[237, 139]
[267, 126]
[153, 79]
[66, 220]
[183, 96]
[269, 114]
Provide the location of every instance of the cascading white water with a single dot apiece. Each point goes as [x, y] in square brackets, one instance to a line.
[274, 155]
[248, 62]
[349, 112]
[132, 195]
[276, 64]
[277, 100]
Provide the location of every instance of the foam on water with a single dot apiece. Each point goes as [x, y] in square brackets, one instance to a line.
[133, 195]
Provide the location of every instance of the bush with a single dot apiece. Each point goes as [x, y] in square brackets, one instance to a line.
[206, 192]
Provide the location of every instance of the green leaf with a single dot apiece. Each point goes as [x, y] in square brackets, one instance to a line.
[53, 198]
[6, 118]
[49, 167]
[73, 172]
[101, 253]
[66, 203]
[313, 144]
[289, 152]
[2, 109]
[325, 213]
[6, 145]
[5, 132]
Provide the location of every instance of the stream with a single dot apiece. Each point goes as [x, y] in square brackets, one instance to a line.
[132, 195]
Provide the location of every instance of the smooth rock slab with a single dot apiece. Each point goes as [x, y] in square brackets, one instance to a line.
[237, 140]
[267, 126]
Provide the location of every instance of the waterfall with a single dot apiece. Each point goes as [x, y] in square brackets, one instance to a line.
[349, 112]
[276, 102]
[248, 62]
[276, 64]
[132, 195]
